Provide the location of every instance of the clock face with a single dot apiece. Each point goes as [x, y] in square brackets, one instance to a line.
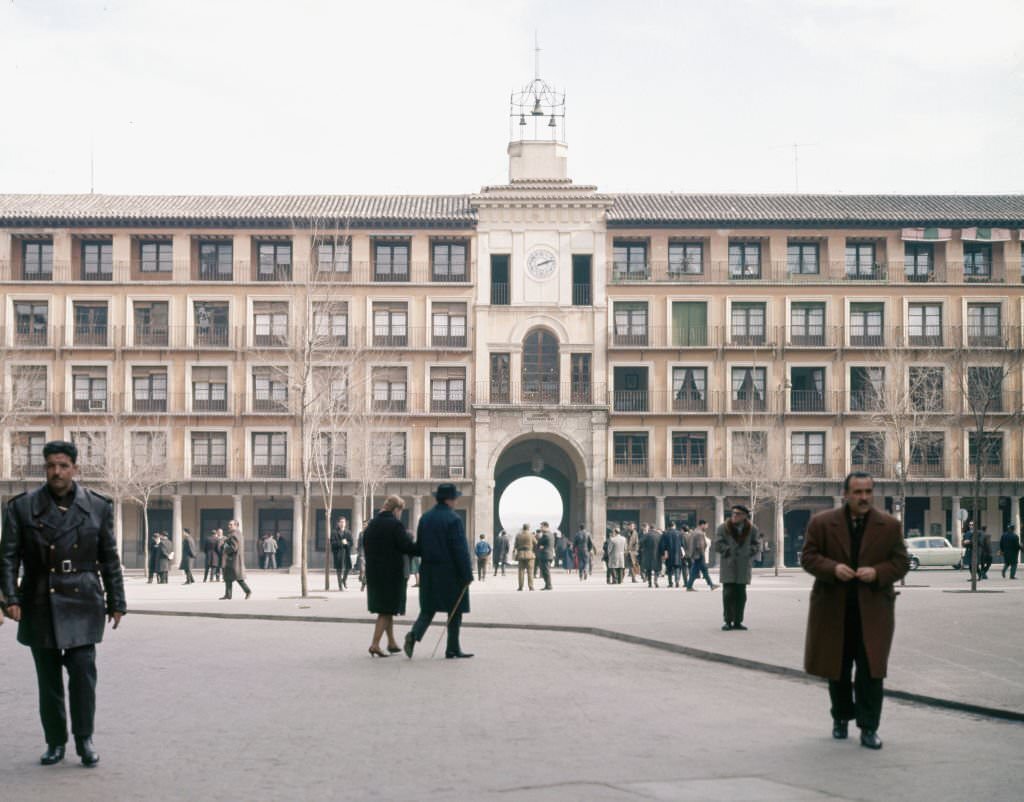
[541, 263]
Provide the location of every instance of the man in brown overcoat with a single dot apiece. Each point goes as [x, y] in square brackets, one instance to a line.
[856, 554]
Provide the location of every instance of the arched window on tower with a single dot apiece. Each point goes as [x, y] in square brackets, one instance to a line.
[540, 368]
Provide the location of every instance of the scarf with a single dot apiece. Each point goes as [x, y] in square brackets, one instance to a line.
[738, 535]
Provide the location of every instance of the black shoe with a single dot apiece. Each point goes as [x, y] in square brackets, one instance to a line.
[870, 739]
[409, 644]
[86, 751]
[840, 729]
[54, 754]
[726, 627]
[453, 655]
[738, 626]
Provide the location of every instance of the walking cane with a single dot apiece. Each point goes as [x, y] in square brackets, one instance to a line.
[451, 615]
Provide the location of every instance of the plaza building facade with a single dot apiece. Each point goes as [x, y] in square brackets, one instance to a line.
[657, 357]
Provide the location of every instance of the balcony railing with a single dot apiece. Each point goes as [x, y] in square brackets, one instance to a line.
[808, 470]
[27, 337]
[582, 295]
[270, 471]
[149, 336]
[91, 335]
[693, 467]
[540, 394]
[267, 404]
[809, 401]
[500, 294]
[927, 469]
[630, 468]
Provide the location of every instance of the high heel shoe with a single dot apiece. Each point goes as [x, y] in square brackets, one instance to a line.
[375, 651]
[394, 649]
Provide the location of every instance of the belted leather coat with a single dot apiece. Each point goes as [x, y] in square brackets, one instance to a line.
[72, 574]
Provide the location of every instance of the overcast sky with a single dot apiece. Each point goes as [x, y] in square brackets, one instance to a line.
[311, 96]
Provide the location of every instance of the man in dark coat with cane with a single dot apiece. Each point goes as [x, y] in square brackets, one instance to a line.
[445, 571]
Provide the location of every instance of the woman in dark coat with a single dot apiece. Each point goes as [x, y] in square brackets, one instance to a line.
[385, 544]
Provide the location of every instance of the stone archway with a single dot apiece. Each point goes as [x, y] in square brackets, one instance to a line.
[548, 457]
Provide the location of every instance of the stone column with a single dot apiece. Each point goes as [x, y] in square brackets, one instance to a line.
[176, 529]
[659, 512]
[358, 502]
[779, 546]
[957, 526]
[298, 537]
[119, 530]
[719, 518]
[236, 503]
[587, 519]
[417, 513]
[1015, 513]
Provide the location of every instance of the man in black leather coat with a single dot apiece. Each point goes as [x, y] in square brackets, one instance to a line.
[62, 536]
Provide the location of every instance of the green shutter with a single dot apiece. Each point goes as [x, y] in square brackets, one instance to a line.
[689, 323]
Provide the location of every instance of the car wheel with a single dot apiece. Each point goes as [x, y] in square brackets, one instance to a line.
[914, 563]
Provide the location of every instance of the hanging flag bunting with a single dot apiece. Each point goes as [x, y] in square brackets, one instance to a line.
[927, 234]
[980, 234]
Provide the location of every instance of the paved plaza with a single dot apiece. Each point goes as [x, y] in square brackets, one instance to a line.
[259, 708]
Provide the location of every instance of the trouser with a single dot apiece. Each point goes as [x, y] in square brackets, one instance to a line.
[734, 600]
[163, 578]
[672, 573]
[861, 698]
[699, 568]
[545, 572]
[481, 568]
[652, 578]
[1010, 561]
[241, 584]
[502, 566]
[270, 561]
[609, 572]
[187, 568]
[619, 574]
[631, 563]
[583, 565]
[207, 572]
[419, 629]
[80, 663]
[526, 567]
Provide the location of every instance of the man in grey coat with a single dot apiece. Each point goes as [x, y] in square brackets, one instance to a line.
[737, 542]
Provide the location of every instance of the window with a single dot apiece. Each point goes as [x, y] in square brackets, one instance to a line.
[389, 453]
[391, 261]
[149, 452]
[690, 323]
[151, 327]
[447, 452]
[390, 324]
[449, 261]
[270, 324]
[92, 452]
[274, 261]
[860, 261]
[748, 389]
[330, 323]
[37, 260]
[97, 261]
[156, 256]
[149, 389]
[689, 454]
[211, 323]
[331, 384]
[985, 388]
[448, 389]
[31, 322]
[630, 323]
[269, 390]
[807, 453]
[216, 261]
[977, 261]
[448, 325]
[330, 454]
[630, 454]
[807, 390]
[540, 368]
[807, 324]
[269, 454]
[390, 389]
[580, 388]
[689, 389]
[685, 259]
[744, 260]
[209, 454]
[629, 261]
[926, 386]
[748, 449]
[501, 378]
[89, 389]
[802, 258]
[28, 388]
[209, 389]
[27, 454]
[630, 389]
[919, 261]
[924, 325]
[866, 321]
[90, 323]
[867, 388]
[927, 457]
[499, 279]
[333, 257]
[581, 280]
[867, 452]
[986, 450]
[748, 324]
[984, 327]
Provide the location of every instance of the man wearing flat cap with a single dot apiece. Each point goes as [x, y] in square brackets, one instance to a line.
[737, 542]
[446, 571]
[62, 536]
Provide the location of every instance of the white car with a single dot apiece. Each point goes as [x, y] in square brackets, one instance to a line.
[930, 551]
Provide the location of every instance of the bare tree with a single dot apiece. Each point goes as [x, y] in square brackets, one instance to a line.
[985, 381]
